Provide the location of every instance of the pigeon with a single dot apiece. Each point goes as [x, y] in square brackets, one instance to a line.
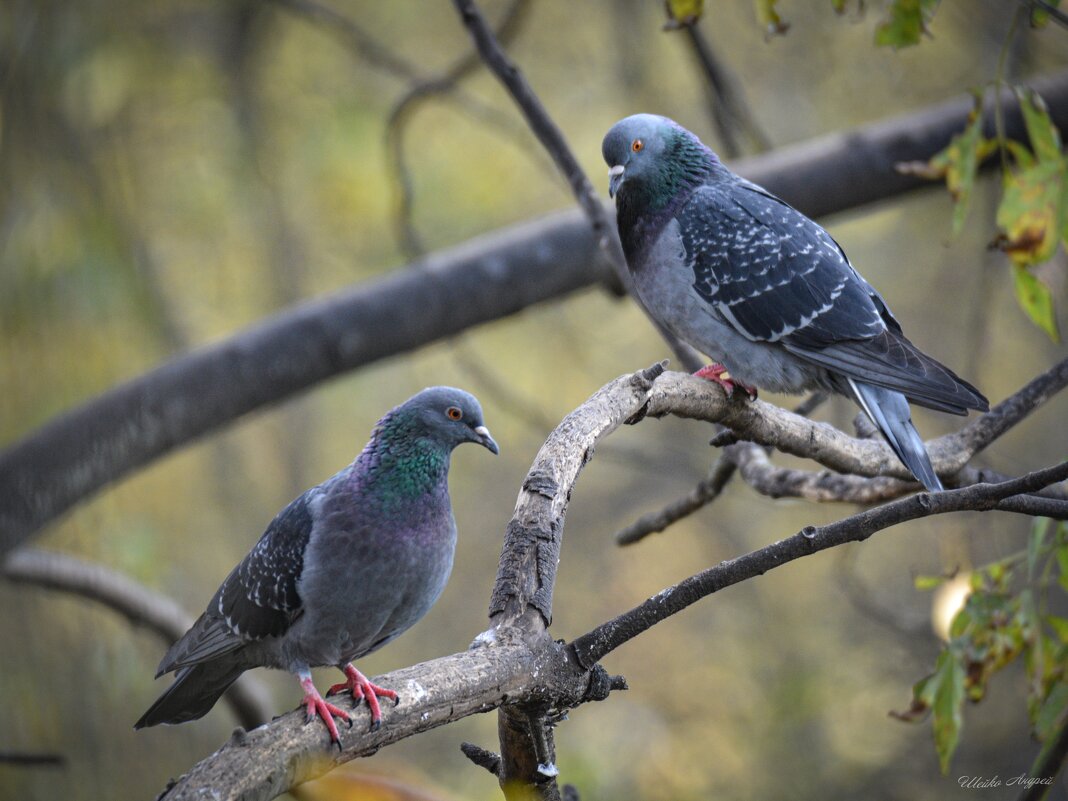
[341, 571]
[766, 292]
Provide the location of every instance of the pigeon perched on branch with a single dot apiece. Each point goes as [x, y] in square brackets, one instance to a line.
[733, 270]
[345, 568]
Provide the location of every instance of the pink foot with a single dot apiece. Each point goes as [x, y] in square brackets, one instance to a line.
[718, 373]
[361, 687]
[316, 706]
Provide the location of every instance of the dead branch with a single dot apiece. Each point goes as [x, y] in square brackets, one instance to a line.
[591, 647]
[765, 424]
[518, 667]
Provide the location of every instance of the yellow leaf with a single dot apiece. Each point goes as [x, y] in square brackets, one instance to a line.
[682, 13]
[1030, 215]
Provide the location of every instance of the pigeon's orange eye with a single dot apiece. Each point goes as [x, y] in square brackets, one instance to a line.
[454, 413]
[637, 145]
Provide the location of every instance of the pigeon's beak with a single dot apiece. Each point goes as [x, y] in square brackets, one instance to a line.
[615, 179]
[485, 439]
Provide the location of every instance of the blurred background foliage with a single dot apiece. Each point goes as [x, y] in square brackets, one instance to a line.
[173, 170]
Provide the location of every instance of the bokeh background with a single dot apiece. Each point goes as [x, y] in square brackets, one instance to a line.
[171, 171]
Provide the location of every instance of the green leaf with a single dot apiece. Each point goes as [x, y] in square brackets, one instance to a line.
[1051, 716]
[1040, 527]
[947, 702]
[1035, 298]
[1045, 139]
[769, 18]
[1039, 16]
[960, 624]
[959, 162]
[928, 582]
[1059, 626]
[906, 23]
[1020, 153]
[1062, 564]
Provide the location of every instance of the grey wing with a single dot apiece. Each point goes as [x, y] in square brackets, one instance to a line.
[777, 276]
[258, 599]
[774, 273]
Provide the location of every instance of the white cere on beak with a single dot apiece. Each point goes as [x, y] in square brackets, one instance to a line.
[482, 431]
[614, 171]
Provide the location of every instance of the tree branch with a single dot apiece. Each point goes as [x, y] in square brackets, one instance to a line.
[765, 424]
[248, 697]
[1048, 767]
[83, 450]
[403, 110]
[518, 666]
[593, 646]
[552, 139]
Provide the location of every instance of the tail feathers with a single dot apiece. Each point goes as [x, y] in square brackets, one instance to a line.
[890, 360]
[889, 410]
[195, 690]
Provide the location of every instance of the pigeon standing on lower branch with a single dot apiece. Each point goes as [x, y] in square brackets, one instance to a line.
[341, 571]
[733, 270]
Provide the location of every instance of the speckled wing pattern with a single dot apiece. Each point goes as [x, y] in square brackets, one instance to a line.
[776, 276]
[258, 599]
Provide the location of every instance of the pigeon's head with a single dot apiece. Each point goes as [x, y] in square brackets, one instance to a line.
[653, 157]
[449, 416]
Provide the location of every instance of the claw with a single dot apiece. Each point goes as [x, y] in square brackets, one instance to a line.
[717, 373]
[362, 688]
[315, 706]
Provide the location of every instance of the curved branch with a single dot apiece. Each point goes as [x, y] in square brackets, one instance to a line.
[765, 424]
[266, 762]
[403, 110]
[759, 472]
[141, 606]
[519, 667]
[76, 454]
[593, 646]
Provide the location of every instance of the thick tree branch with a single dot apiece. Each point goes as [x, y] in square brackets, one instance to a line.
[591, 647]
[141, 606]
[79, 452]
[266, 762]
[518, 666]
[104, 439]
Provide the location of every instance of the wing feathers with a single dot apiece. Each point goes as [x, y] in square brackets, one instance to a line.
[777, 276]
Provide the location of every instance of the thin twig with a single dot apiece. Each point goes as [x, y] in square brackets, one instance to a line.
[483, 758]
[700, 496]
[1049, 767]
[727, 103]
[27, 760]
[402, 112]
[1055, 13]
[595, 645]
[552, 139]
[380, 57]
